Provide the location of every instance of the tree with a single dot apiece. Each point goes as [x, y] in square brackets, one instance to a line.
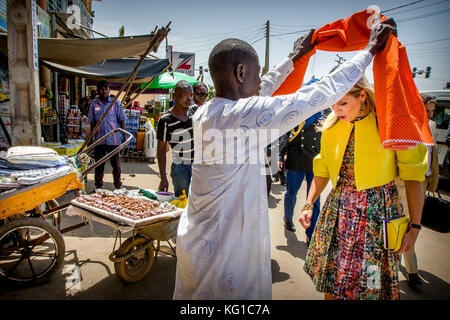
[122, 31]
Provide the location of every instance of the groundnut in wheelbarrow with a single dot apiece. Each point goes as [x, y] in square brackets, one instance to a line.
[132, 208]
[149, 220]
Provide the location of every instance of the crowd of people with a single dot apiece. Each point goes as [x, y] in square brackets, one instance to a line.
[327, 131]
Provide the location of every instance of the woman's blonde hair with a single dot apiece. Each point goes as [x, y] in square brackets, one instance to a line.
[362, 84]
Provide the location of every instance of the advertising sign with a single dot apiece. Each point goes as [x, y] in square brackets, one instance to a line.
[44, 23]
[183, 62]
[3, 16]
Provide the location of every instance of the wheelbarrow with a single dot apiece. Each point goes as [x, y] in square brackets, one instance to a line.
[32, 247]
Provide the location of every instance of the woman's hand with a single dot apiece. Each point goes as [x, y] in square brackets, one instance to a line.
[409, 241]
[305, 218]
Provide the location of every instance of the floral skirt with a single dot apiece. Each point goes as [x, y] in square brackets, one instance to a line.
[346, 256]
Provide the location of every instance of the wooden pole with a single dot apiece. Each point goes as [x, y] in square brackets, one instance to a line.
[155, 41]
[148, 84]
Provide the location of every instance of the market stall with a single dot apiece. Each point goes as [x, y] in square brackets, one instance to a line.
[31, 247]
[116, 71]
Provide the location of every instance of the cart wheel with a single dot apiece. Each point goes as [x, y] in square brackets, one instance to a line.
[31, 251]
[137, 267]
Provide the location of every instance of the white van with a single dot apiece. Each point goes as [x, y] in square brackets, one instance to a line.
[442, 118]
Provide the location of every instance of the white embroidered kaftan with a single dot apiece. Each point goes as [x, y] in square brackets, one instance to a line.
[223, 246]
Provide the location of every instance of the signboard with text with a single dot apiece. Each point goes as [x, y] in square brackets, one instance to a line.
[3, 16]
[183, 62]
[44, 23]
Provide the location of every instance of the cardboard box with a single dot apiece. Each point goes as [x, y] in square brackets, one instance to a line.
[77, 147]
[50, 144]
[75, 141]
[65, 150]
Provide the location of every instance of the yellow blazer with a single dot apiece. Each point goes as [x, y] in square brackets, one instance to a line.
[374, 165]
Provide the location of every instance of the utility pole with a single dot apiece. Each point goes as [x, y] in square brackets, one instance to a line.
[266, 64]
[427, 73]
[341, 59]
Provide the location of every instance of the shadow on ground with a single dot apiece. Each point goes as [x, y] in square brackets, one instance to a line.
[157, 285]
[294, 246]
[277, 190]
[432, 288]
[278, 276]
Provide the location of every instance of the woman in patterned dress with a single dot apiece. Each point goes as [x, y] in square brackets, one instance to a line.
[346, 258]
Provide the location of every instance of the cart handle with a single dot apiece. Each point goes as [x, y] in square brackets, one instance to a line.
[110, 154]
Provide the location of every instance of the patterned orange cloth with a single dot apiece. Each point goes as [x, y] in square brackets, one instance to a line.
[401, 115]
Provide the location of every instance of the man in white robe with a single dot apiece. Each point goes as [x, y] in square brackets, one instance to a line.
[223, 244]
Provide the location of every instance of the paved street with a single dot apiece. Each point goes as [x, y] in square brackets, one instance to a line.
[87, 250]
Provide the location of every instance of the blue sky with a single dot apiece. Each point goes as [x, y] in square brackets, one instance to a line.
[198, 25]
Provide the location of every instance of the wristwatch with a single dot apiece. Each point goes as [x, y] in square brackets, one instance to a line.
[415, 226]
[307, 206]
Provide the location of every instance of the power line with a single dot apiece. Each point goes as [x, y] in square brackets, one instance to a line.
[405, 5]
[429, 49]
[425, 6]
[281, 39]
[297, 26]
[258, 40]
[286, 33]
[424, 15]
[207, 39]
[412, 44]
[212, 42]
[222, 33]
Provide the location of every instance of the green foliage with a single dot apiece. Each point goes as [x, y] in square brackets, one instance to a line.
[122, 31]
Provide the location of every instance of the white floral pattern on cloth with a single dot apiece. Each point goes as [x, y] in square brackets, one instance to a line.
[352, 73]
[291, 118]
[265, 117]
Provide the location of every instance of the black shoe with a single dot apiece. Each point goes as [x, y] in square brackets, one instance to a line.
[289, 225]
[414, 281]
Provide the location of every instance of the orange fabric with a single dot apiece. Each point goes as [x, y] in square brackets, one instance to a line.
[401, 115]
[34, 197]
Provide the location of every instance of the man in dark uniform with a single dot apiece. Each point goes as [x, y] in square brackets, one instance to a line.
[300, 146]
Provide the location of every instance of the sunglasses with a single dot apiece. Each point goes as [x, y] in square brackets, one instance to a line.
[201, 94]
[428, 99]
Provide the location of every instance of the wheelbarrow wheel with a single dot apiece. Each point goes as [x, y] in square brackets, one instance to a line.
[31, 251]
[136, 267]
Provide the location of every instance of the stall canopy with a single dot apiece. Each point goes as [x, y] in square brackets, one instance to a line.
[75, 52]
[81, 52]
[114, 70]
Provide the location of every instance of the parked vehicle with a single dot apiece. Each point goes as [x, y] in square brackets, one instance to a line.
[442, 119]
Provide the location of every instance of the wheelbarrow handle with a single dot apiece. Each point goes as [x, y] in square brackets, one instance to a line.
[110, 154]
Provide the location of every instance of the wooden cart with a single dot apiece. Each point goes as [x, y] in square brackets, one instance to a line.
[32, 247]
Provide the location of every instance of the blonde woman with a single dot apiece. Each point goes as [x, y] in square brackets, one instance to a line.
[346, 258]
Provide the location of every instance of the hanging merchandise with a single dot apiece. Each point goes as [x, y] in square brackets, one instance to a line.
[85, 127]
[150, 141]
[74, 123]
